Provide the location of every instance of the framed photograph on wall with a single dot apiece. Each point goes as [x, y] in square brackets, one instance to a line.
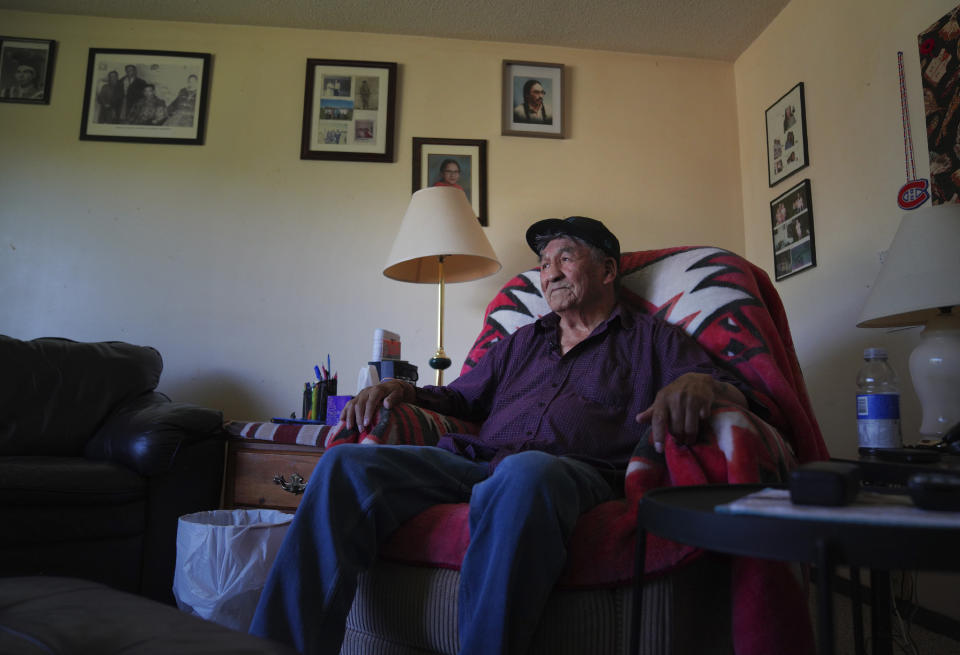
[787, 136]
[145, 96]
[348, 110]
[26, 70]
[460, 163]
[791, 217]
[533, 100]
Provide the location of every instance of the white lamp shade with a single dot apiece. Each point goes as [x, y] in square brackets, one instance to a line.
[440, 222]
[921, 272]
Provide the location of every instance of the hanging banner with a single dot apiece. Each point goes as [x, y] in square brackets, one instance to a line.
[940, 71]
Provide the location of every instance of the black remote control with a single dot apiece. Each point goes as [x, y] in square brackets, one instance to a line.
[939, 491]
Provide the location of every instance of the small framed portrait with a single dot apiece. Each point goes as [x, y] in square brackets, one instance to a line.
[348, 110]
[787, 136]
[146, 96]
[791, 218]
[533, 100]
[26, 70]
[460, 163]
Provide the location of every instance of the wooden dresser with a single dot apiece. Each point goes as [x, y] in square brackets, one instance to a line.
[252, 466]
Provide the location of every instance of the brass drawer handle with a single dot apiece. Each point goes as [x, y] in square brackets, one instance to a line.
[297, 484]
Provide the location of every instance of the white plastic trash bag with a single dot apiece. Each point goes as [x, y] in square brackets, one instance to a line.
[223, 558]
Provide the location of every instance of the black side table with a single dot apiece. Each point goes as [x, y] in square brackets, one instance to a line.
[688, 515]
[882, 470]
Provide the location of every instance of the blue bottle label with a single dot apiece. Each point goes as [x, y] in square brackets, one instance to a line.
[878, 406]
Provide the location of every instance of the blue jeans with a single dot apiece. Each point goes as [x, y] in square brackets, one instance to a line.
[358, 495]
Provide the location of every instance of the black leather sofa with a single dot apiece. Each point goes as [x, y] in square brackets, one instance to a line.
[96, 466]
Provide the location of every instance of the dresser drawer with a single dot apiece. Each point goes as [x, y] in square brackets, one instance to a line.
[251, 469]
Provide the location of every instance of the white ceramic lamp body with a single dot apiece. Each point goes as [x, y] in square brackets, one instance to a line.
[935, 369]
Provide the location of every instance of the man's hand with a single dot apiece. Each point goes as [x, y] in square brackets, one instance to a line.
[684, 404]
[360, 410]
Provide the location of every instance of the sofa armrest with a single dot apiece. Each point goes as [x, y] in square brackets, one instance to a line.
[147, 434]
[404, 424]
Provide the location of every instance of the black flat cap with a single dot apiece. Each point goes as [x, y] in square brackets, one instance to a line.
[590, 230]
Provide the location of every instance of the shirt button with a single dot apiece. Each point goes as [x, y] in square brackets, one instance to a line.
[529, 432]
[554, 385]
[541, 404]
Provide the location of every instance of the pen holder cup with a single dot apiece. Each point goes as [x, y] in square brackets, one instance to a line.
[325, 389]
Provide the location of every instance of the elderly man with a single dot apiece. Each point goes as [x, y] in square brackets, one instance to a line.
[563, 402]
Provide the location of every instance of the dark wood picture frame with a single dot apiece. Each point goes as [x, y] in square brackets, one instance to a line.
[349, 110]
[21, 57]
[791, 219]
[516, 119]
[432, 156]
[117, 106]
[787, 135]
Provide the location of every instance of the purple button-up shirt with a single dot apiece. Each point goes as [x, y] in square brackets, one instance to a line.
[581, 404]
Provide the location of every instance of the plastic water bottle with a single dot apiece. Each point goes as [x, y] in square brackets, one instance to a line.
[878, 402]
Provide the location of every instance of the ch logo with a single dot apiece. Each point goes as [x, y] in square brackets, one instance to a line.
[913, 194]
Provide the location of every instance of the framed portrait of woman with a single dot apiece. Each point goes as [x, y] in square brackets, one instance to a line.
[460, 163]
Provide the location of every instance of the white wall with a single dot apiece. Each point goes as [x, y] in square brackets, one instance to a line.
[245, 265]
[845, 53]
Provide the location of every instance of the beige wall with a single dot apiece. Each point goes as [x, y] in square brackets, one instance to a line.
[846, 55]
[244, 265]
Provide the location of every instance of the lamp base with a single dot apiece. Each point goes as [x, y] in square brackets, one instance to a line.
[440, 362]
[935, 369]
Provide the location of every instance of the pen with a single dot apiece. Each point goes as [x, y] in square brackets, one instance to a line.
[316, 370]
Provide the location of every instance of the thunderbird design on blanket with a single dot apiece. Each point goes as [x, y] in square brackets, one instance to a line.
[730, 307]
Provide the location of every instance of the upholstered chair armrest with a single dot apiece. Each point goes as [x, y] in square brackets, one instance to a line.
[404, 424]
[735, 447]
[147, 434]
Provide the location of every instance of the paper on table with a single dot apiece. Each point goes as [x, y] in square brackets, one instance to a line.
[868, 507]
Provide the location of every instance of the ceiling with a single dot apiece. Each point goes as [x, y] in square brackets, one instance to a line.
[707, 29]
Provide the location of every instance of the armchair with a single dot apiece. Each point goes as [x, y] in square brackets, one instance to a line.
[96, 466]
[407, 602]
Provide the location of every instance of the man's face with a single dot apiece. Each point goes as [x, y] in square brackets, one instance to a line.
[569, 274]
[148, 92]
[451, 173]
[131, 71]
[535, 97]
[24, 75]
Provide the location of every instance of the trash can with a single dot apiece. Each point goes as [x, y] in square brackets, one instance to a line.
[223, 558]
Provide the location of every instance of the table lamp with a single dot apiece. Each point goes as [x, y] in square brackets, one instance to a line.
[919, 284]
[440, 240]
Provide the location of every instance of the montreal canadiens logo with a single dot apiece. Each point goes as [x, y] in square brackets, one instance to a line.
[913, 194]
